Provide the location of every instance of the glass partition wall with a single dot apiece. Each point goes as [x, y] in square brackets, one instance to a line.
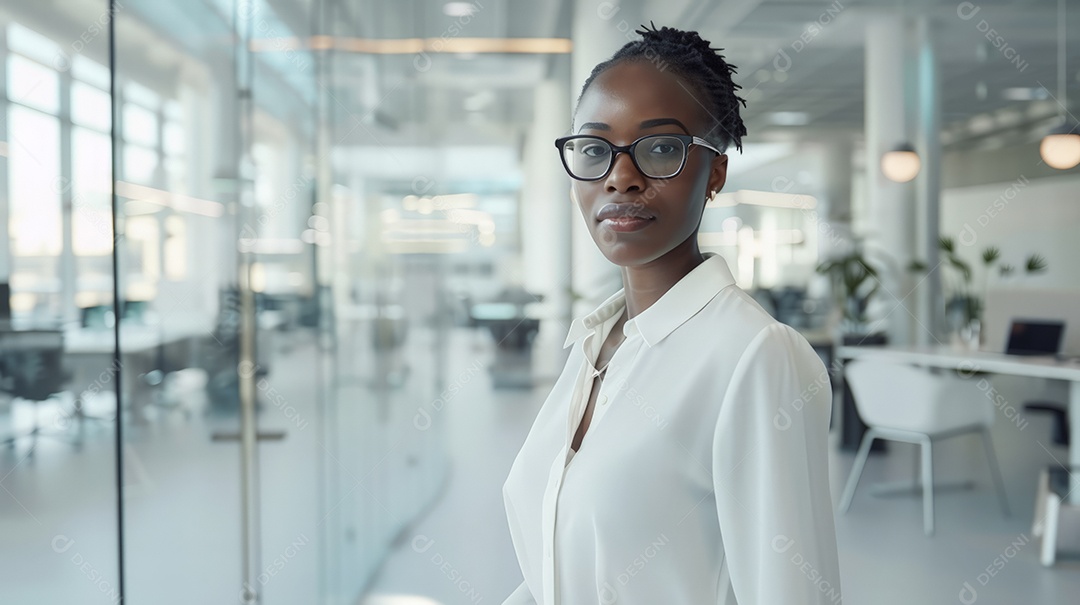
[209, 230]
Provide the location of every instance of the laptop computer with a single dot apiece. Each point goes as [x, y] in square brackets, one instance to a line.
[1035, 337]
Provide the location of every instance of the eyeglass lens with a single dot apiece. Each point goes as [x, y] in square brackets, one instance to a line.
[657, 156]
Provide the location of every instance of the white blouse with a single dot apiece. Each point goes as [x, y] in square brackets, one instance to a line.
[703, 477]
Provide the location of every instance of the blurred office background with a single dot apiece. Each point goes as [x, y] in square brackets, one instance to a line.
[320, 255]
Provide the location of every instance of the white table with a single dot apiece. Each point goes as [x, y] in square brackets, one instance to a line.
[996, 363]
[135, 337]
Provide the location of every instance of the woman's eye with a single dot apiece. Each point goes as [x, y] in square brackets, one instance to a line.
[594, 151]
[662, 149]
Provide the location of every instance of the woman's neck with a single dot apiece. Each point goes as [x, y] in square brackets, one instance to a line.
[643, 285]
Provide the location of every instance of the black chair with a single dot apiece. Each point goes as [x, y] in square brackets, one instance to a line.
[1041, 337]
[32, 369]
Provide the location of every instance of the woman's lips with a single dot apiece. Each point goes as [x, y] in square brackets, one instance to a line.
[626, 223]
[624, 217]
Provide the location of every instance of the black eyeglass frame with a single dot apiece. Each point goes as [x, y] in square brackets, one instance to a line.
[687, 140]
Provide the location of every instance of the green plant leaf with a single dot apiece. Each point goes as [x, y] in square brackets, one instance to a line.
[990, 255]
[1036, 263]
[917, 266]
[1006, 269]
[961, 266]
[946, 244]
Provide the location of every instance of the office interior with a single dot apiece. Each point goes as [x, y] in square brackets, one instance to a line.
[284, 283]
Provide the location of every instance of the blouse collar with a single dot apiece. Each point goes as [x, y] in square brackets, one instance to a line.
[681, 302]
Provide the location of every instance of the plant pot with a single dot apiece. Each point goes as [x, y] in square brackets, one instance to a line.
[969, 336]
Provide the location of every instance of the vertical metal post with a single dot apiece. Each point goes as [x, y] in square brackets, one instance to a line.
[114, 160]
[243, 13]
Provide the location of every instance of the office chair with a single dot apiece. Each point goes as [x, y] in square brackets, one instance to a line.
[32, 369]
[1041, 337]
[904, 403]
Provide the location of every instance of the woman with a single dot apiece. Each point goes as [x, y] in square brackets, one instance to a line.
[680, 458]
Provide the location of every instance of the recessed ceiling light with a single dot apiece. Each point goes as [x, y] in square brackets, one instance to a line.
[1025, 93]
[789, 118]
[459, 9]
[480, 100]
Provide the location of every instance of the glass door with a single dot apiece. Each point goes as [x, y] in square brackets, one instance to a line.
[242, 290]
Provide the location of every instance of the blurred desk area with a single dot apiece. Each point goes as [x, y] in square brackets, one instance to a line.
[968, 364]
[152, 345]
[514, 330]
[1026, 338]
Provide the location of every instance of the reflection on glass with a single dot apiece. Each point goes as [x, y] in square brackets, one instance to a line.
[33, 84]
[58, 378]
[34, 220]
[90, 106]
[350, 262]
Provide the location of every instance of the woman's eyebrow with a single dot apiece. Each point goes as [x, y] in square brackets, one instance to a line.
[594, 126]
[646, 124]
[662, 122]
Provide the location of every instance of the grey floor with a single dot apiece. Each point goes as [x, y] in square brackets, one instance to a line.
[885, 558]
[182, 504]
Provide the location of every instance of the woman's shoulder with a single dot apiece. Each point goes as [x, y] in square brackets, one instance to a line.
[734, 325]
[735, 318]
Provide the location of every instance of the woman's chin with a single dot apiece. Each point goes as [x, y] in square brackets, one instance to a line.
[627, 255]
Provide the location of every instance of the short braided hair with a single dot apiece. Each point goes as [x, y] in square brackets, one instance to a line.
[689, 56]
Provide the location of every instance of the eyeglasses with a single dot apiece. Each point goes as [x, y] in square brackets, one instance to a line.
[657, 156]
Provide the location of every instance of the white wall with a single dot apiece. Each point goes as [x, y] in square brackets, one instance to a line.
[1020, 217]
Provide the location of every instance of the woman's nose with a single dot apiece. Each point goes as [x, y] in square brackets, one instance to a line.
[624, 175]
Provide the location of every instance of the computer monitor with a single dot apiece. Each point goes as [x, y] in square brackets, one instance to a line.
[1034, 337]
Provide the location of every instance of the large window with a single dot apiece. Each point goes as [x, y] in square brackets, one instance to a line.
[35, 187]
[91, 208]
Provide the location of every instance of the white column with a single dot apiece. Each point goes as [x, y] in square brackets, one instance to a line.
[68, 311]
[546, 215]
[928, 143]
[890, 234]
[225, 160]
[600, 28]
[835, 209]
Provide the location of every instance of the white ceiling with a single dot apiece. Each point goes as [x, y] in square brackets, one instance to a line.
[825, 78]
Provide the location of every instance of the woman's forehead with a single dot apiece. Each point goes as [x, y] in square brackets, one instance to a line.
[632, 93]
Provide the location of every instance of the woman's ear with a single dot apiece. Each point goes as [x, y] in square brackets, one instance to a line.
[717, 174]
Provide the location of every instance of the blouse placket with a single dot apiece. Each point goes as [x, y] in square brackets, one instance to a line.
[583, 390]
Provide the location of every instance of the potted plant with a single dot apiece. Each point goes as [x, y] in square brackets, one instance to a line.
[965, 300]
[854, 283]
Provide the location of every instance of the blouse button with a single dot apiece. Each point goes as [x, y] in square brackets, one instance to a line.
[603, 399]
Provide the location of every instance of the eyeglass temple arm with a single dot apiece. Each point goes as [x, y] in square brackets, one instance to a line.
[705, 144]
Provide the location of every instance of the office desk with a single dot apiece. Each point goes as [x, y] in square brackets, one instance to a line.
[995, 363]
[137, 338]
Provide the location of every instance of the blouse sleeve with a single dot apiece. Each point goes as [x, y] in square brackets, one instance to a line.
[771, 475]
[520, 596]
